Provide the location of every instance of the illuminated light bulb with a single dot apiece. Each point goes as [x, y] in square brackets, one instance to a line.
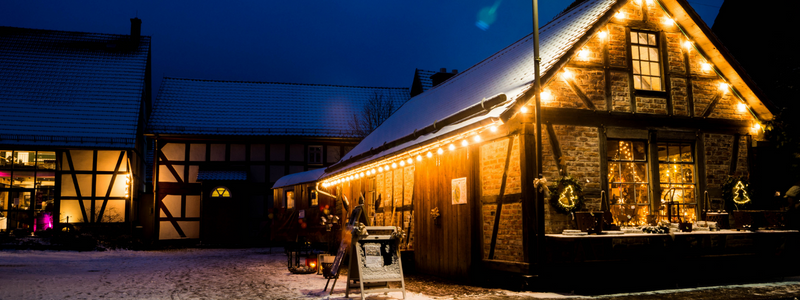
[602, 34]
[741, 107]
[464, 143]
[546, 96]
[380, 169]
[477, 138]
[669, 21]
[583, 54]
[373, 171]
[419, 157]
[524, 109]
[705, 67]
[451, 147]
[756, 127]
[440, 151]
[687, 45]
[394, 165]
[409, 161]
[429, 154]
[723, 86]
[493, 128]
[402, 163]
[386, 167]
[619, 15]
[566, 75]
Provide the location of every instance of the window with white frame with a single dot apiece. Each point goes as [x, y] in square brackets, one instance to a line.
[645, 61]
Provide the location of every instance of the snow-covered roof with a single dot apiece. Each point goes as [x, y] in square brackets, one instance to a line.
[192, 106]
[61, 88]
[425, 78]
[221, 175]
[509, 72]
[298, 178]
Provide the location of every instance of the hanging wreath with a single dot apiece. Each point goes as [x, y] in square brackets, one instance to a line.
[737, 191]
[566, 194]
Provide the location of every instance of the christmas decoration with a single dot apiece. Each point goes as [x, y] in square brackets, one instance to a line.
[567, 194]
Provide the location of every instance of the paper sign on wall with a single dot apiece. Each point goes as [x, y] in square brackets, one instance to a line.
[459, 190]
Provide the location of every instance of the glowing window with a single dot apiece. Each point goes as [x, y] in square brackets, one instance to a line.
[646, 66]
[221, 192]
[628, 184]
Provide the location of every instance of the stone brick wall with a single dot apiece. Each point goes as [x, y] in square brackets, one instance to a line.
[675, 53]
[492, 162]
[718, 149]
[680, 103]
[592, 84]
[620, 92]
[617, 45]
[509, 235]
[742, 166]
[651, 105]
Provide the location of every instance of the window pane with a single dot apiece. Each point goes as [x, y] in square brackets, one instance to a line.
[627, 171]
[640, 172]
[613, 150]
[21, 200]
[686, 153]
[44, 178]
[645, 68]
[653, 54]
[637, 81]
[5, 178]
[688, 173]
[674, 152]
[45, 198]
[23, 179]
[651, 38]
[635, 52]
[46, 160]
[634, 38]
[656, 83]
[639, 151]
[642, 194]
[642, 38]
[636, 69]
[646, 83]
[654, 69]
[686, 193]
[613, 172]
[643, 53]
[24, 159]
[6, 158]
[625, 150]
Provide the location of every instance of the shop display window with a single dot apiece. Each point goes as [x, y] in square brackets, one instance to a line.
[678, 184]
[628, 182]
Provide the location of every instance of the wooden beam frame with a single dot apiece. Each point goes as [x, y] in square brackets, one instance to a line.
[577, 90]
[499, 209]
[710, 108]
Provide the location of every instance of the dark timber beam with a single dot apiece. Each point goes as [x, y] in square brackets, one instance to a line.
[734, 154]
[710, 108]
[582, 117]
[551, 135]
[575, 88]
[499, 209]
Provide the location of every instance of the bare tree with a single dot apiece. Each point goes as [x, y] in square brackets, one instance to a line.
[377, 109]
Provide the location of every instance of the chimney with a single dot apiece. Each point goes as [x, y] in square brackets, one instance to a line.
[136, 27]
[441, 76]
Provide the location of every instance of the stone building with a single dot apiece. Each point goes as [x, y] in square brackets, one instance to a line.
[641, 108]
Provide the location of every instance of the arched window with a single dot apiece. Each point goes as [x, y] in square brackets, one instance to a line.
[220, 192]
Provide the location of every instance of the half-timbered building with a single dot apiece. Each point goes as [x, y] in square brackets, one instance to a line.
[221, 145]
[640, 105]
[74, 110]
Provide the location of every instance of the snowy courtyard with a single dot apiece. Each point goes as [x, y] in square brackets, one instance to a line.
[256, 274]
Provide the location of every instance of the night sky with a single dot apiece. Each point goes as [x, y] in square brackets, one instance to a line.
[363, 43]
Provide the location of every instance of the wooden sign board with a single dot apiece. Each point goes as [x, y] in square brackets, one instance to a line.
[355, 217]
[376, 263]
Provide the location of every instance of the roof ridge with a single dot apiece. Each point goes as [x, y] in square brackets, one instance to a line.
[286, 83]
[70, 31]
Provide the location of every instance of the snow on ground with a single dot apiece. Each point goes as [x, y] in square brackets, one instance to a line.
[252, 274]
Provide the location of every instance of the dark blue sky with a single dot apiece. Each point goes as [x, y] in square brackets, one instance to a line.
[367, 43]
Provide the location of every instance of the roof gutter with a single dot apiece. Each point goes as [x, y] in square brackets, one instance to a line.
[483, 106]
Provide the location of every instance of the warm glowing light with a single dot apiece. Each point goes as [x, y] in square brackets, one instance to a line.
[583, 54]
[669, 21]
[373, 171]
[741, 107]
[476, 138]
[687, 45]
[602, 34]
[524, 109]
[386, 167]
[620, 15]
[429, 154]
[723, 86]
[493, 128]
[756, 127]
[419, 157]
[705, 67]
[402, 163]
[440, 151]
[451, 147]
[464, 143]
[566, 75]
[313, 264]
[409, 161]
[546, 96]
[394, 165]
[380, 169]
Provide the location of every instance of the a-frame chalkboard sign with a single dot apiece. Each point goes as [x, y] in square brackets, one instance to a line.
[375, 262]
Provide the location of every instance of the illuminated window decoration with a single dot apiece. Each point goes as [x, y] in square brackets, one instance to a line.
[740, 196]
[628, 184]
[645, 61]
[221, 192]
[567, 194]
